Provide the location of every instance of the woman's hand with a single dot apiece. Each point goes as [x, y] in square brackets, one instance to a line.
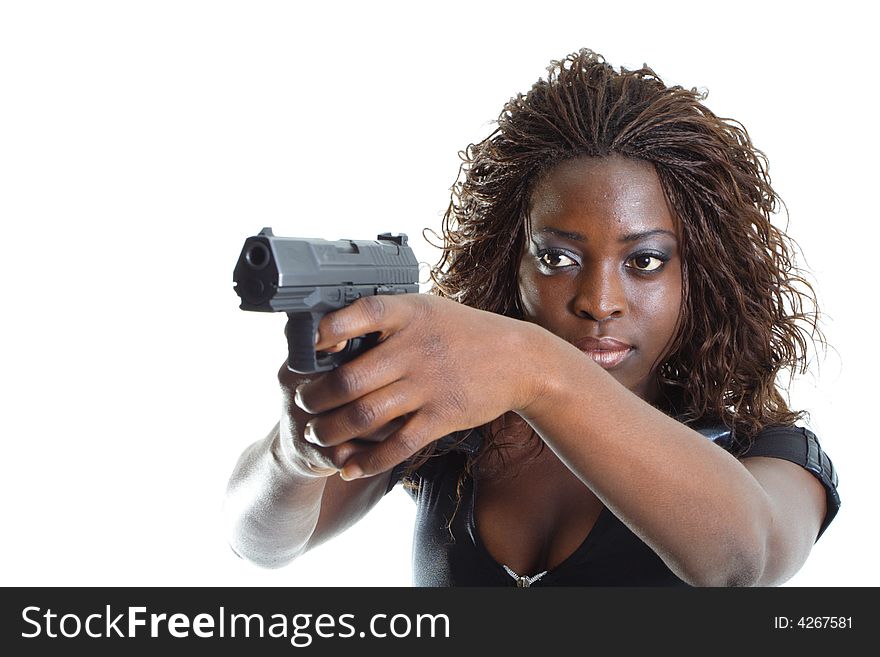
[308, 458]
[439, 367]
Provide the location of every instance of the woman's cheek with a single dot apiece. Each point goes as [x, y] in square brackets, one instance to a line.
[529, 295]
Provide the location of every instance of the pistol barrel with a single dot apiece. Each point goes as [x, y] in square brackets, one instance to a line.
[291, 274]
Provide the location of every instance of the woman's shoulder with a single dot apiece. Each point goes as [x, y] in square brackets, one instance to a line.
[799, 445]
[793, 443]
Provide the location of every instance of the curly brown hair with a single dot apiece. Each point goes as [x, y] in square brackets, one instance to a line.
[748, 312]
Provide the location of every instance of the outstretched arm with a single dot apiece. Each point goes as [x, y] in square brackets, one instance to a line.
[713, 519]
[285, 496]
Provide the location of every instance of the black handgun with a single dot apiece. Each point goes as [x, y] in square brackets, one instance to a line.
[307, 278]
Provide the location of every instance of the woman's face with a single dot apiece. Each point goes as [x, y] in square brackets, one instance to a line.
[602, 269]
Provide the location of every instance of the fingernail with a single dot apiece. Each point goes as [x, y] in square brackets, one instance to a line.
[317, 336]
[297, 396]
[350, 472]
[309, 433]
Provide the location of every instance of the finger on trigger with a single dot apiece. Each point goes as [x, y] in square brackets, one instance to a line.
[339, 346]
[370, 314]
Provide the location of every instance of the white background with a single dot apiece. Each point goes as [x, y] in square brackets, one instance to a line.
[141, 142]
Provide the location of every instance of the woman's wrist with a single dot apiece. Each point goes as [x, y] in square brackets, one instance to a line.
[285, 453]
[539, 377]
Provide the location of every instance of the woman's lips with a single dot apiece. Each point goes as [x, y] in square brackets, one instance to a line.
[607, 352]
[608, 359]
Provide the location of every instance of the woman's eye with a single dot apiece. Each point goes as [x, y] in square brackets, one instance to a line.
[645, 262]
[552, 260]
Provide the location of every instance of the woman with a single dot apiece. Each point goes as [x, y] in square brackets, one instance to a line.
[589, 396]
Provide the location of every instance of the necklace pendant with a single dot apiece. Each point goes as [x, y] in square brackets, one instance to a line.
[522, 581]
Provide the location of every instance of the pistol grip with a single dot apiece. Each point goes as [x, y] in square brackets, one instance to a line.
[301, 355]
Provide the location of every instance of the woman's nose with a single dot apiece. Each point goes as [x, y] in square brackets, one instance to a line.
[600, 294]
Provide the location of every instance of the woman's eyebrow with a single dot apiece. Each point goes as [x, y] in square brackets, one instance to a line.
[564, 234]
[634, 237]
[630, 237]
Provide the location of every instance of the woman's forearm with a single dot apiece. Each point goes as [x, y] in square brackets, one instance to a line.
[271, 509]
[693, 503]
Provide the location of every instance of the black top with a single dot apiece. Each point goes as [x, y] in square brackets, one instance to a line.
[452, 554]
